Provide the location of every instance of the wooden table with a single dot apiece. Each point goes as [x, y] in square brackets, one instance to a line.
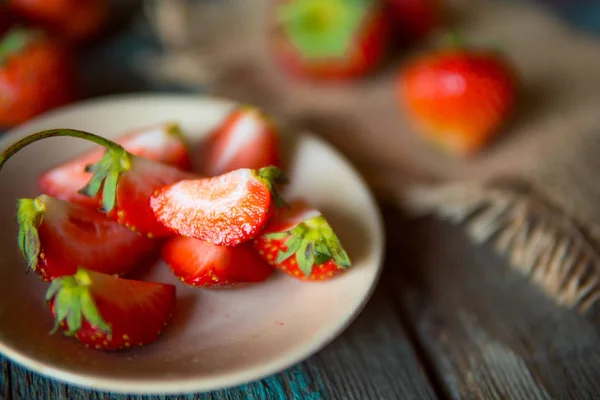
[448, 320]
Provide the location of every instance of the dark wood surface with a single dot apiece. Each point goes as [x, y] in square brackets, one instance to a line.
[448, 320]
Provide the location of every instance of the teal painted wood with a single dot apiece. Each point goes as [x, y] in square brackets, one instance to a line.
[4, 378]
[373, 359]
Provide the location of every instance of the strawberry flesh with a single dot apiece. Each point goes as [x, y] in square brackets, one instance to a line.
[225, 210]
[161, 143]
[109, 313]
[199, 263]
[246, 139]
[56, 237]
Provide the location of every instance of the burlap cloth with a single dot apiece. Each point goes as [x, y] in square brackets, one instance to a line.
[534, 192]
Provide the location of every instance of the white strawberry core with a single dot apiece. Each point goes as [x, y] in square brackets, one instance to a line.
[246, 130]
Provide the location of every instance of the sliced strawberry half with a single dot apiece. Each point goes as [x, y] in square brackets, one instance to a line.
[300, 242]
[246, 139]
[56, 236]
[163, 143]
[110, 313]
[202, 264]
[225, 210]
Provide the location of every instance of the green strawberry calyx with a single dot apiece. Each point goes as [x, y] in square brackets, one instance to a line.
[15, 41]
[30, 214]
[105, 173]
[322, 28]
[272, 177]
[312, 242]
[74, 303]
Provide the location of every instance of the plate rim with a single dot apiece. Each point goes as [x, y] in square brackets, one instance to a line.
[173, 386]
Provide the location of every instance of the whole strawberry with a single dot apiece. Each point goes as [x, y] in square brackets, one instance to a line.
[73, 20]
[300, 242]
[36, 75]
[334, 39]
[458, 97]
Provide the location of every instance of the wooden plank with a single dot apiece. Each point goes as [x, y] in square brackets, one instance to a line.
[373, 359]
[485, 330]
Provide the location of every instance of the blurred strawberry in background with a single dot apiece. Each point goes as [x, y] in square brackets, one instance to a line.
[334, 39]
[72, 20]
[36, 75]
[414, 20]
[458, 97]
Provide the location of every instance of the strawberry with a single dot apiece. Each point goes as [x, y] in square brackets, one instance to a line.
[110, 313]
[163, 143]
[334, 39]
[36, 75]
[74, 20]
[122, 182]
[199, 263]
[300, 242]
[225, 210]
[55, 237]
[246, 139]
[458, 98]
[415, 19]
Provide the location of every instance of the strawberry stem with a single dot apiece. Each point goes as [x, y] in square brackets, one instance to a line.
[106, 172]
[14, 41]
[273, 176]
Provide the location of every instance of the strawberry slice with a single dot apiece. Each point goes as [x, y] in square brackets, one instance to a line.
[199, 263]
[225, 210]
[300, 242]
[110, 313]
[56, 236]
[121, 181]
[162, 143]
[246, 139]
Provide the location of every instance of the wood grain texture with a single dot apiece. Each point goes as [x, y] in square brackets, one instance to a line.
[373, 359]
[485, 331]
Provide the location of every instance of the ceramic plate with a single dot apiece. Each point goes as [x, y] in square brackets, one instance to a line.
[217, 338]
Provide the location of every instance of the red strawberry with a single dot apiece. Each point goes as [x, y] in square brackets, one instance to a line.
[334, 39]
[458, 98]
[225, 210]
[199, 263]
[76, 20]
[37, 74]
[246, 139]
[55, 237]
[300, 242]
[122, 182]
[161, 143]
[110, 313]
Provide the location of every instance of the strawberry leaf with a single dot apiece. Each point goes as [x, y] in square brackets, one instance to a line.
[29, 217]
[292, 244]
[305, 258]
[322, 29]
[73, 303]
[15, 41]
[106, 174]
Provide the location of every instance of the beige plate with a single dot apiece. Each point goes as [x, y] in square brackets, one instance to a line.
[218, 338]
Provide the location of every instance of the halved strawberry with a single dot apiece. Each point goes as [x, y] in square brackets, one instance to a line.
[300, 242]
[55, 237]
[121, 181]
[110, 313]
[246, 139]
[162, 143]
[225, 210]
[199, 263]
